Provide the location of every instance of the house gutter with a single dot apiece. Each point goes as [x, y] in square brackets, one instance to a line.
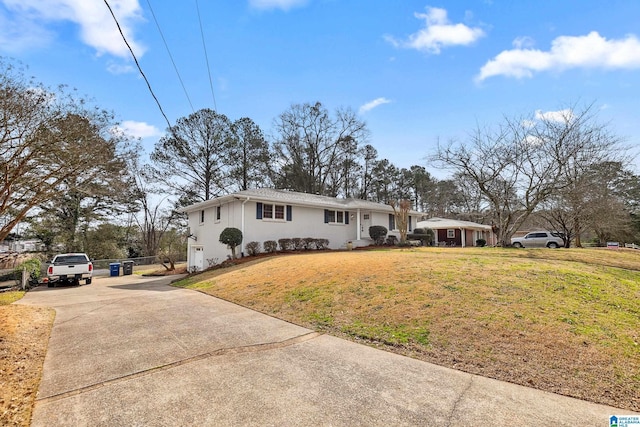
[242, 223]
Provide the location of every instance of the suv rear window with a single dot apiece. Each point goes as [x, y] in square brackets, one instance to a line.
[71, 259]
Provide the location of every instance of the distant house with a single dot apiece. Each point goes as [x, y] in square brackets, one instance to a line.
[267, 214]
[451, 232]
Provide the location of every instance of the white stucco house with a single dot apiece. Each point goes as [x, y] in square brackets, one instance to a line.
[267, 214]
[452, 232]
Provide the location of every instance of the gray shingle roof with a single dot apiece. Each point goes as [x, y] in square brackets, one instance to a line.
[295, 198]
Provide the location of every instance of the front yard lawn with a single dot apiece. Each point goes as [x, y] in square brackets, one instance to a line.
[565, 321]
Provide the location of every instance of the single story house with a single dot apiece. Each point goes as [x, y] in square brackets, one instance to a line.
[451, 232]
[267, 214]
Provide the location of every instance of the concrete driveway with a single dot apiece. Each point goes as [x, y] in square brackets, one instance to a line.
[133, 351]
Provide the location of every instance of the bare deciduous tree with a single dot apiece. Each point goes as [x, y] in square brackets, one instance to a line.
[312, 148]
[521, 163]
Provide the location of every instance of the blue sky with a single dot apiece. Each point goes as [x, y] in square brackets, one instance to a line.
[417, 72]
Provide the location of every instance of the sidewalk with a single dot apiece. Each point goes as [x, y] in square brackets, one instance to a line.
[132, 351]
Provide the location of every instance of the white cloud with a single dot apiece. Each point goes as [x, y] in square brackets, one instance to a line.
[97, 27]
[373, 104]
[115, 68]
[560, 116]
[438, 33]
[590, 51]
[276, 4]
[138, 129]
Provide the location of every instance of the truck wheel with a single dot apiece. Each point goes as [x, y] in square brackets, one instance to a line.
[87, 282]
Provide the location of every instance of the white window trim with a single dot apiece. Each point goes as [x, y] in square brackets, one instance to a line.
[449, 232]
[218, 209]
[273, 211]
[335, 216]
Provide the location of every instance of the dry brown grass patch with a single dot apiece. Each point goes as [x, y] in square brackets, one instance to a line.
[556, 320]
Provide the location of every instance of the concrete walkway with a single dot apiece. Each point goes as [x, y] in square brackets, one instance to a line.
[132, 351]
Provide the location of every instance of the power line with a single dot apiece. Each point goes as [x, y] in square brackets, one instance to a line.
[170, 56]
[206, 57]
[137, 63]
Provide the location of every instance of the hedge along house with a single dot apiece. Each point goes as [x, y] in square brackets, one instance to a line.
[267, 214]
[451, 232]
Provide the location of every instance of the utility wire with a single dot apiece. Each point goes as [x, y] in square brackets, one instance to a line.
[206, 57]
[170, 56]
[137, 63]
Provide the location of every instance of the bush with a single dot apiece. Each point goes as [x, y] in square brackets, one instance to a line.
[297, 243]
[391, 240]
[322, 244]
[34, 270]
[253, 248]
[270, 246]
[285, 244]
[309, 243]
[231, 237]
[425, 235]
[378, 233]
[481, 242]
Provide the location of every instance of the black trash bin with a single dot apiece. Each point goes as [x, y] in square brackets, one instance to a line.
[127, 268]
[114, 269]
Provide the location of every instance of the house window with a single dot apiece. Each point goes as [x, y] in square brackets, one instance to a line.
[451, 234]
[366, 216]
[336, 217]
[279, 211]
[202, 216]
[274, 212]
[392, 222]
[218, 212]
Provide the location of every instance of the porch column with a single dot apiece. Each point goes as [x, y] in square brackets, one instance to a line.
[463, 232]
[358, 225]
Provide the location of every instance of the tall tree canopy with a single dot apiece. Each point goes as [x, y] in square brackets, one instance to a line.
[206, 155]
[315, 150]
[50, 142]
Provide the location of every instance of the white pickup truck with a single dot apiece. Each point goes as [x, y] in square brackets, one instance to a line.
[69, 268]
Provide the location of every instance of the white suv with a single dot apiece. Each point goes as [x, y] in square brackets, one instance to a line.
[538, 239]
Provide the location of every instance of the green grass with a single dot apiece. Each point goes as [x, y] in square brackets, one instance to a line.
[525, 316]
[10, 297]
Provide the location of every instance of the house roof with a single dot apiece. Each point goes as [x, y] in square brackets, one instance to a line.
[440, 223]
[294, 198]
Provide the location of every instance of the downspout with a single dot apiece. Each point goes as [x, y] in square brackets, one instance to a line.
[242, 224]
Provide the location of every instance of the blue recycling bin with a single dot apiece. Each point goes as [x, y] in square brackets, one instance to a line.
[114, 269]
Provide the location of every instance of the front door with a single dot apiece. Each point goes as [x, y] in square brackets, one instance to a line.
[365, 224]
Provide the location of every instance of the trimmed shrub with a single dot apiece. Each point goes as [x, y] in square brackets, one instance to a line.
[309, 243]
[322, 244]
[285, 244]
[297, 244]
[253, 248]
[270, 246]
[231, 237]
[425, 235]
[378, 233]
[391, 240]
[481, 242]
